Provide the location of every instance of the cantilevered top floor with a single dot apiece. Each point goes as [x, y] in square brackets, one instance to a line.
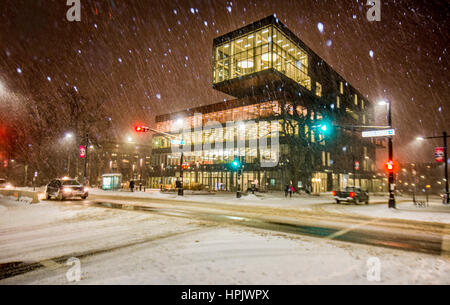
[259, 57]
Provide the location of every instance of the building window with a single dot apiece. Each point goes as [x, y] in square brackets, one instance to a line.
[261, 50]
[362, 104]
[318, 89]
[356, 99]
[338, 101]
[341, 87]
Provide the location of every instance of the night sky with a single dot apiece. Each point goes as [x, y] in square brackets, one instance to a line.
[143, 58]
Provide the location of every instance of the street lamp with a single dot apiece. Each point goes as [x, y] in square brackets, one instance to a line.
[444, 138]
[391, 184]
[68, 136]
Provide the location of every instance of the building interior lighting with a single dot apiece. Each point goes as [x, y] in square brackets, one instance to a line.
[245, 64]
[266, 57]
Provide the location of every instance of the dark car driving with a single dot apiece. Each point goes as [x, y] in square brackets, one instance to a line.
[351, 194]
[65, 188]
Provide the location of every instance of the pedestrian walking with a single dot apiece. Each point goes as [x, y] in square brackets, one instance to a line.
[291, 190]
[286, 190]
[132, 185]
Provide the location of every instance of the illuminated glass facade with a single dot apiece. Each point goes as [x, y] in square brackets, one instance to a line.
[263, 49]
[274, 77]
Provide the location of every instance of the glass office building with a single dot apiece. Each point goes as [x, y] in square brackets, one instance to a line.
[274, 78]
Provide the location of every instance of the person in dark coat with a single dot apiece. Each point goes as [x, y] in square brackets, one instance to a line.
[132, 185]
[291, 190]
[286, 190]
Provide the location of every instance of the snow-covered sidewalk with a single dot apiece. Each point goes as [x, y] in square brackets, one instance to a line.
[435, 212]
[126, 247]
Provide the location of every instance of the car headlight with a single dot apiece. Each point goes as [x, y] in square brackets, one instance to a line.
[85, 189]
[67, 190]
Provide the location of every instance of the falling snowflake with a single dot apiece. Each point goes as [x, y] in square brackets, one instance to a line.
[320, 27]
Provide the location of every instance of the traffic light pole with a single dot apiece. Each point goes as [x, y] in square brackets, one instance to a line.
[85, 159]
[444, 137]
[181, 190]
[170, 136]
[446, 166]
[391, 182]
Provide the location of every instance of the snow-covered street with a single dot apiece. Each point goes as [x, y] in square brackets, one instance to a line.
[132, 247]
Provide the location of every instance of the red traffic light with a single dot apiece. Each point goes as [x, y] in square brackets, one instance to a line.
[390, 166]
[141, 128]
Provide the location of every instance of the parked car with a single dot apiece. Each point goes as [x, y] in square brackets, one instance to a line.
[351, 194]
[4, 184]
[65, 188]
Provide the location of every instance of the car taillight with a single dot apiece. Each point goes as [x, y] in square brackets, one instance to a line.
[352, 194]
[333, 193]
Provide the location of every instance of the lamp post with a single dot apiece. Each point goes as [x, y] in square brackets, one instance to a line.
[68, 137]
[444, 138]
[391, 182]
[85, 159]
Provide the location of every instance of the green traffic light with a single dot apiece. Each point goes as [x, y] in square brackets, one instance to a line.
[324, 127]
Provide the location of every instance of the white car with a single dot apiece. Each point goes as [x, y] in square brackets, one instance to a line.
[4, 184]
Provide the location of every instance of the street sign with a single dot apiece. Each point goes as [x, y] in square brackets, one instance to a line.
[439, 154]
[378, 133]
[82, 151]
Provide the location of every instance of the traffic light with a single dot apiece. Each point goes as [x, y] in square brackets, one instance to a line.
[324, 127]
[390, 166]
[236, 164]
[140, 128]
